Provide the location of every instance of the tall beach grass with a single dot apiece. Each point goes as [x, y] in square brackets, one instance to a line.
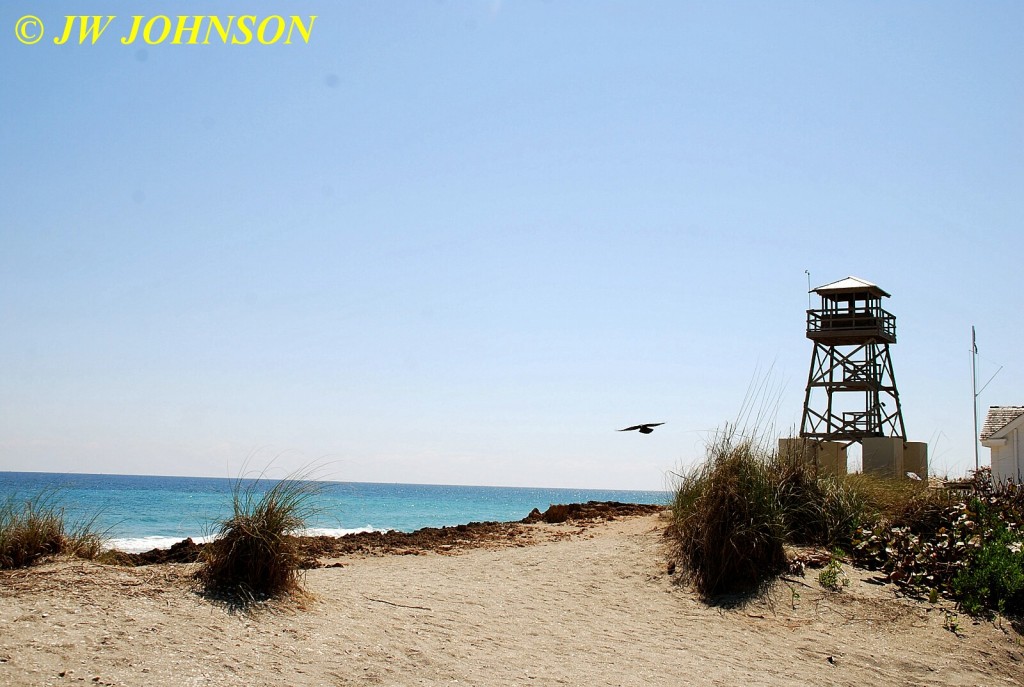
[33, 528]
[728, 520]
[254, 555]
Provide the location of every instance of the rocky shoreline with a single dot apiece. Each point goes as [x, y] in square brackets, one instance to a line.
[427, 539]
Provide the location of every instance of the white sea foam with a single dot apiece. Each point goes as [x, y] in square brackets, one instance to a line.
[143, 544]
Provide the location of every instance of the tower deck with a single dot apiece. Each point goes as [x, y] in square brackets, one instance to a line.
[848, 328]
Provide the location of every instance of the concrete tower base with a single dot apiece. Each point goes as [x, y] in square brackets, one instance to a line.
[882, 456]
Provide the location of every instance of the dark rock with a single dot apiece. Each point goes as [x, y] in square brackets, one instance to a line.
[186, 551]
[591, 511]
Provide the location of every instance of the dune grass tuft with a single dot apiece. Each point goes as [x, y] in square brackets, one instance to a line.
[254, 555]
[35, 528]
[728, 519]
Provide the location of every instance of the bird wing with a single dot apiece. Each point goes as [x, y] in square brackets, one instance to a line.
[630, 429]
[653, 424]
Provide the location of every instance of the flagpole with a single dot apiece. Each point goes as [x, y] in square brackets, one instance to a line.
[974, 388]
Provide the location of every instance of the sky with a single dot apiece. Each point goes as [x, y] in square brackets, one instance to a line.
[463, 242]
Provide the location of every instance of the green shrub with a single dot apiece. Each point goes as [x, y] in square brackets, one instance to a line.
[993, 575]
[994, 578]
[35, 528]
[254, 555]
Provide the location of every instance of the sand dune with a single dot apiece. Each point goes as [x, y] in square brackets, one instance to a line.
[589, 605]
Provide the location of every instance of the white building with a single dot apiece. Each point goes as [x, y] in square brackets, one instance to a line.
[1003, 434]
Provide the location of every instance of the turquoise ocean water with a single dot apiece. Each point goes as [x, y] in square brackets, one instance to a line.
[139, 513]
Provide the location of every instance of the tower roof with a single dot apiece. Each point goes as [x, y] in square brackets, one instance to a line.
[850, 285]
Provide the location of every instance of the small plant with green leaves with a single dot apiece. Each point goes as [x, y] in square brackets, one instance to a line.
[952, 623]
[832, 577]
[794, 596]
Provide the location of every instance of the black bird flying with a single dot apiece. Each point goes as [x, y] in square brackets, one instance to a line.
[644, 429]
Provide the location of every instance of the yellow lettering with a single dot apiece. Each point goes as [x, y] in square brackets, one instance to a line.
[134, 33]
[262, 33]
[69, 21]
[245, 24]
[188, 29]
[147, 33]
[182, 27]
[96, 28]
[304, 30]
[89, 27]
[221, 29]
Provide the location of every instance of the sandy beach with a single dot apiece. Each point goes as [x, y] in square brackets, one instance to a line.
[550, 604]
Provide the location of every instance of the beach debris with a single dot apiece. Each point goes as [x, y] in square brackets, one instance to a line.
[643, 429]
[397, 605]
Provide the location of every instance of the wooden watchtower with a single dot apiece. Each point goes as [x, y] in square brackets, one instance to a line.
[851, 389]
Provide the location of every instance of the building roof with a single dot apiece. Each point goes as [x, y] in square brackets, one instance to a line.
[850, 285]
[998, 418]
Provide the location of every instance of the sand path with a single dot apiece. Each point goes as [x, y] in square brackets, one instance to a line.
[586, 606]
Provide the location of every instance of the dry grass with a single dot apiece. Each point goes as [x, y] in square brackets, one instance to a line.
[901, 503]
[728, 519]
[35, 528]
[255, 555]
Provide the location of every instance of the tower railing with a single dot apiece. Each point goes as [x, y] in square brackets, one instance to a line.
[869, 321]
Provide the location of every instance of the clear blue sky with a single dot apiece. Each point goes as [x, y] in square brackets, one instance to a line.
[463, 242]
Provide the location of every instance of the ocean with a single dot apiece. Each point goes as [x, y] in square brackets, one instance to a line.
[139, 513]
